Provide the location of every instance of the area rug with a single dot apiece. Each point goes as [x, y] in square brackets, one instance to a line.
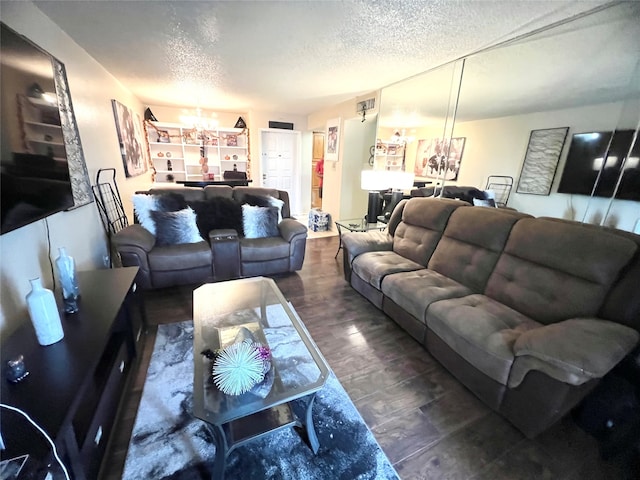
[167, 442]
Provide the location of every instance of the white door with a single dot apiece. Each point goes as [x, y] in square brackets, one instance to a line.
[280, 163]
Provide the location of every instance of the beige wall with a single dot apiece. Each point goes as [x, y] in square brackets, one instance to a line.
[24, 252]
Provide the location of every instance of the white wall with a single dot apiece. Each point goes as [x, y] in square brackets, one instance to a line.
[498, 146]
[24, 252]
[338, 176]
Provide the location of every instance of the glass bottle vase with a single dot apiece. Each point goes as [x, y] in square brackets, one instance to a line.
[67, 274]
[44, 314]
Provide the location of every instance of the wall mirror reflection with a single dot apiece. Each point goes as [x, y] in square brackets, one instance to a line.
[581, 75]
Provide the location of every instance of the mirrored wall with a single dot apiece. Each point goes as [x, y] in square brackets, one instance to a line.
[556, 111]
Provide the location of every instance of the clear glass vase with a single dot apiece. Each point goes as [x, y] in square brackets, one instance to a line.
[67, 274]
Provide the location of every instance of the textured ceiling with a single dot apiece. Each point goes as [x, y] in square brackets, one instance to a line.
[292, 57]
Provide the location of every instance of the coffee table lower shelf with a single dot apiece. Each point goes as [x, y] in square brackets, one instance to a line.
[237, 432]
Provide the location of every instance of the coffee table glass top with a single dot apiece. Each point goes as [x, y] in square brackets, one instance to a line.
[297, 366]
[360, 225]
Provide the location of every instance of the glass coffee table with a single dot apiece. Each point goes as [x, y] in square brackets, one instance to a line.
[298, 369]
[356, 225]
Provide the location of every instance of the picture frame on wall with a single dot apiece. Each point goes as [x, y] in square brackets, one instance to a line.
[135, 154]
[541, 160]
[332, 140]
[439, 158]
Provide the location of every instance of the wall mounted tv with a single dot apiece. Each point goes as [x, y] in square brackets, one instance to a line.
[601, 154]
[34, 173]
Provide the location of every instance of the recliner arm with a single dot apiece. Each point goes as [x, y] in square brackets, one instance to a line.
[573, 351]
[289, 228]
[133, 243]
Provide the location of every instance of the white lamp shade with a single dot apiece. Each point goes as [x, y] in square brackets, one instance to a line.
[375, 180]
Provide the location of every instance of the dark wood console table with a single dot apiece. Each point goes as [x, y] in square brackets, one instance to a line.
[74, 387]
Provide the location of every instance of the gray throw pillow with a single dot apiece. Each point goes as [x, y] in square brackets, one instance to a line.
[174, 228]
[265, 201]
[143, 204]
[260, 222]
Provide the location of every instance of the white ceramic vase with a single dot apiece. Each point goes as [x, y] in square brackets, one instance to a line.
[44, 314]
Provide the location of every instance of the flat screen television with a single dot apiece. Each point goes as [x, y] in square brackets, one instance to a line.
[34, 172]
[598, 157]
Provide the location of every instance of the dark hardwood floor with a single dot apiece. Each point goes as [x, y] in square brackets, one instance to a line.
[427, 423]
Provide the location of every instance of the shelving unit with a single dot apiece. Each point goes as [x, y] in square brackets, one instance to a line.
[389, 156]
[176, 151]
[41, 127]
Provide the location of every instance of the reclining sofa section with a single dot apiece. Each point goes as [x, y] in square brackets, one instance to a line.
[224, 255]
[528, 313]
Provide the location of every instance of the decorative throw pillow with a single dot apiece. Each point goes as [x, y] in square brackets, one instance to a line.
[173, 228]
[170, 202]
[218, 212]
[260, 222]
[142, 206]
[167, 202]
[265, 201]
[484, 203]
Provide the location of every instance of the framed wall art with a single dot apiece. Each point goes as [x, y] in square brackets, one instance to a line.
[332, 140]
[541, 160]
[432, 160]
[134, 151]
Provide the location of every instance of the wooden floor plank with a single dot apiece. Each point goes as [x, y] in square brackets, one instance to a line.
[429, 425]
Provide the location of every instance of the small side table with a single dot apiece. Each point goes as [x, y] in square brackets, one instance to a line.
[356, 225]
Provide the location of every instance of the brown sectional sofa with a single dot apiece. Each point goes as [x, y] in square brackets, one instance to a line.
[528, 313]
[224, 256]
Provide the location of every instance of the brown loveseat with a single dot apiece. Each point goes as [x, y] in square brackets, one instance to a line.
[226, 254]
[528, 313]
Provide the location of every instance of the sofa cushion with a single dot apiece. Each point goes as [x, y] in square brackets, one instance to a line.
[217, 191]
[180, 257]
[551, 271]
[372, 267]
[263, 249]
[190, 194]
[217, 213]
[471, 245]
[480, 330]
[174, 228]
[573, 351]
[416, 290]
[423, 221]
[260, 222]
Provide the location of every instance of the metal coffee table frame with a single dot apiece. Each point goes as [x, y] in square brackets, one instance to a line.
[233, 421]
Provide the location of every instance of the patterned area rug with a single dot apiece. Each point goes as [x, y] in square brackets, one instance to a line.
[167, 442]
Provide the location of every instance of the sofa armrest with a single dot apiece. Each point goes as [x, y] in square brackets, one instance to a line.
[290, 228]
[133, 243]
[134, 236]
[574, 351]
[357, 243]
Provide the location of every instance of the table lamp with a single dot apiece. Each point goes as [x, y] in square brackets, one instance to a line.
[376, 181]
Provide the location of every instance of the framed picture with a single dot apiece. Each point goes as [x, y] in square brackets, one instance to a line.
[439, 158]
[332, 142]
[541, 160]
[135, 154]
